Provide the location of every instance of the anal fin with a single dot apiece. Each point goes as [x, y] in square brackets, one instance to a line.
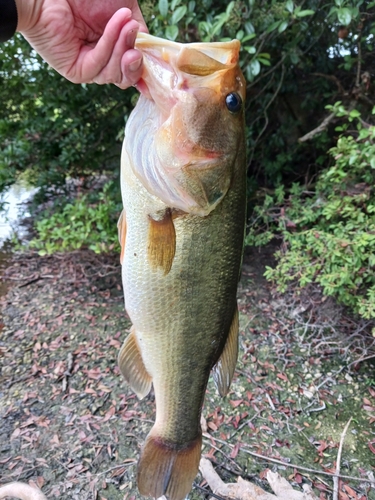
[168, 469]
[121, 227]
[162, 242]
[132, 367]
[223, 371]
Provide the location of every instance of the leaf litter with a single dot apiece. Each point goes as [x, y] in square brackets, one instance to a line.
[71, 426]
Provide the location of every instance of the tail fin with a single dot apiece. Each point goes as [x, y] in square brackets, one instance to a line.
[167, 469]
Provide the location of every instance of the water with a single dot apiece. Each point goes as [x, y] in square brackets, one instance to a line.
[14, 209]
[15, 198]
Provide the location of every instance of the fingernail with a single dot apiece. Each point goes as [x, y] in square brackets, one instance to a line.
[135, 65]
[132, 35]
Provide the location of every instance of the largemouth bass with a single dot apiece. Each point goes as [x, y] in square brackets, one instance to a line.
[183, 181]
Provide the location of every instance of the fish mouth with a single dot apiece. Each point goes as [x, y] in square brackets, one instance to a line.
[222, 52]
[170, 65]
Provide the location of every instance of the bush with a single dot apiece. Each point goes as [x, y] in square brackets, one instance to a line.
[80, 224]
[328, 232]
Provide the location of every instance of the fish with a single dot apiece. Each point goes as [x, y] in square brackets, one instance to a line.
[183, 184]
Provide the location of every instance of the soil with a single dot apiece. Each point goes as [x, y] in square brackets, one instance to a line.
[70, 424]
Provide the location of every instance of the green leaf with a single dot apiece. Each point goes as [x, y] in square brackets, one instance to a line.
[178, 14]
[265, 62]
[249, 28]
[344, 16]
[255, 67]
[273, 26]
[171, 32]
[191, 6]
[250, 49]
[240, 34]
[229, 8]
[246, 38]
[289, 6]
[354, 113]
[304, 13]
[163, 7]
[283, 26]
[174, 4]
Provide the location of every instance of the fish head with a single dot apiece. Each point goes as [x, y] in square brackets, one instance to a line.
[198, 93]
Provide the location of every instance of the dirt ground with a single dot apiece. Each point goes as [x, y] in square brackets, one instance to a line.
[70, 424]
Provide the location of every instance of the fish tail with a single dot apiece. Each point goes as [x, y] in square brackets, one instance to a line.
[168, 469]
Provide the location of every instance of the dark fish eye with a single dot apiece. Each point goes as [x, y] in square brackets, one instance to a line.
[233, 102]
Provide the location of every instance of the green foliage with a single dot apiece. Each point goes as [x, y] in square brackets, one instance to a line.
[297, 56]
[329, 232]
[83, 223]
[51, 128]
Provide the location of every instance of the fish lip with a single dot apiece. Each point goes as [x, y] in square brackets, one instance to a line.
[145, 39]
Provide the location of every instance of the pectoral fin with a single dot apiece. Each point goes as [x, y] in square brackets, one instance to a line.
[223, 371]
[162, 242]
[132, 367]
[121, 227]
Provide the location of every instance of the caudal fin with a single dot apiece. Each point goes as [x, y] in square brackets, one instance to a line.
[167, 469]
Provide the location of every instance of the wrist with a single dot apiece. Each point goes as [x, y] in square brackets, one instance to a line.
[27, 14]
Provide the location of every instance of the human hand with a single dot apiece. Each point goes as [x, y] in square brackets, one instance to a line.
[85, 40]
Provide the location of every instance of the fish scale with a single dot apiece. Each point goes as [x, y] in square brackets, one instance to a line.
[181, 260]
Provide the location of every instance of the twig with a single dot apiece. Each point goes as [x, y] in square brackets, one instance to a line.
[318, 129]
[265, 112]
[117, 467]
[320, 408]
[210, 493]
[67, 373]
[337, 472]
[361, 359]
[359, 64]
[270, 401]
[334, 79]
[225, 455]
[290, 465]
[244, 424]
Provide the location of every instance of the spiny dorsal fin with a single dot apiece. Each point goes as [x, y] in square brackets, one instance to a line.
[162, 242]
[223, 371]
[132, 367]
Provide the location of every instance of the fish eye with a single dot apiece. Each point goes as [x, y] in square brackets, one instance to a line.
[233, 102]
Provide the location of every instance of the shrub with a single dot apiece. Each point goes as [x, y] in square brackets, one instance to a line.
[80, 224]
[328, 233]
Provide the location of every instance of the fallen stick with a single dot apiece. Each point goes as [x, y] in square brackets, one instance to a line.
[338, 461]
[22, 491]
[244, 490]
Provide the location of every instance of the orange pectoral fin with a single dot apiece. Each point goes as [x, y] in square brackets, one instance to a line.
[121, 227]
[162, 242]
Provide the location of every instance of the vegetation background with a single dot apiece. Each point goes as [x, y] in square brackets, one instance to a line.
[310, 68]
